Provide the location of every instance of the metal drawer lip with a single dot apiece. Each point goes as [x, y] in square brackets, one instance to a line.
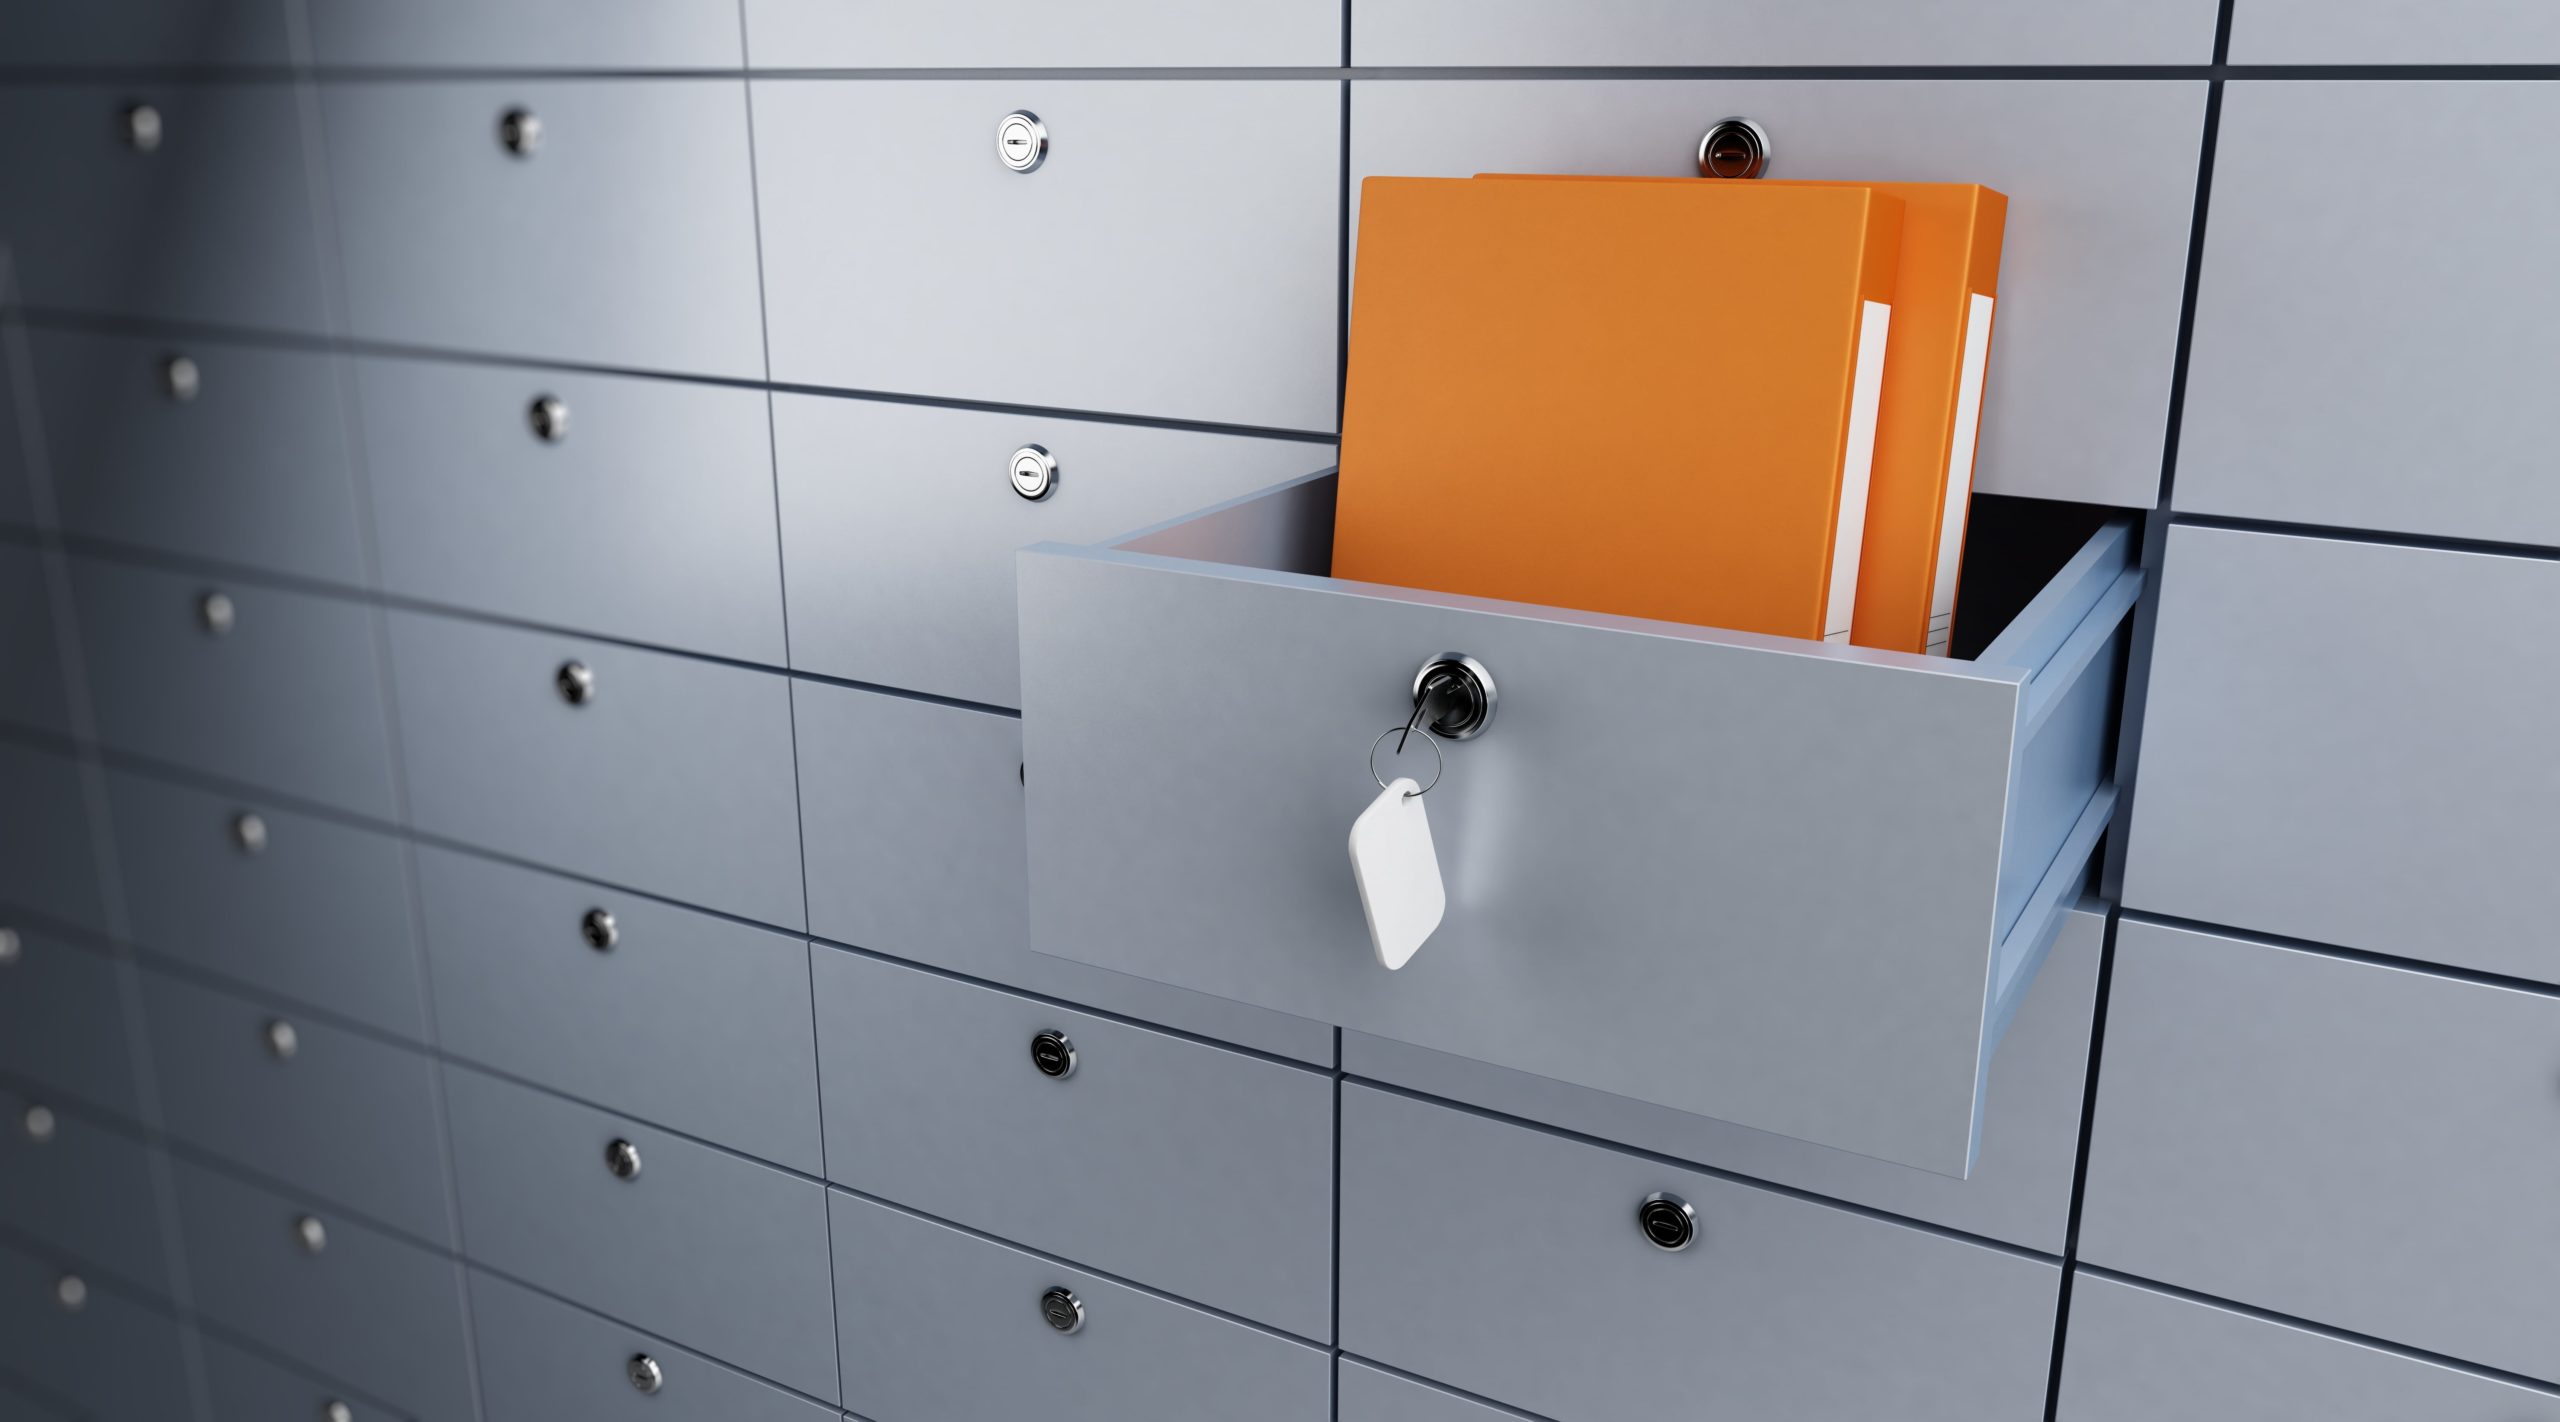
[1976, 791]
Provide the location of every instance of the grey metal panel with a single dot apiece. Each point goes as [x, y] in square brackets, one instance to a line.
[378, 1311]
[2020, 1188]
[527, 34]
[246, 1385]
[47, 863]
[1203, 1172]
[520, 989]
[938, 1324]
[87, 1189]
[2101, 181]
[17, 1404]
[320, 915]
[2359, 1145]
[349, 1118]
[256, 469]
[652, 520]
[2294, 683]
[2394, 32]
[1201, 730]
[2315, 397]
[710, 1249]
[2139, 1355]
[33, 694]
[542, 1360]
[900, 525]
[1777, 32]
[627, 239]
[1370, 1394]
[62, 1024]
[153, 32]
[1175, 255]
[289, 699]
[914, 837]
[1027, 34]
[217, 225]
[676, 776]
[1511, 1260]
[115, 1357]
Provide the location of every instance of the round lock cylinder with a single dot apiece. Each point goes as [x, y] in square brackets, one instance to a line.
[549, 416]
[39, 1123]
[217, 614]
[520, 132]
[311, 1234]
[577, 683]
[1022, 142]
[644, 1374]
[335, 1411]
[623, 1159]
[1668, 1222]
[1035, 473]
[1455, 693]
[249, 832]
[1063, 1310]
[598, 928]
[141, 127]
[71, 1292]
[181, 379]
[282, 1040]
[1734, 148]
[1053, 1054]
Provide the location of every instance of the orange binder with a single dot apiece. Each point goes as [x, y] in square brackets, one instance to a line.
[1928, 423]
[1655, 399]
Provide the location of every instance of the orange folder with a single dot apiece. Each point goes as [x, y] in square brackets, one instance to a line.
[1928, 425]
[1655, 399]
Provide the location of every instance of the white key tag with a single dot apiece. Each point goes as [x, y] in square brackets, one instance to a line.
[1395, 865]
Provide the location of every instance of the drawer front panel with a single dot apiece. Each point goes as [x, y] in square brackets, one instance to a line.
[1773, 32]
[900, 524]
[318, 911]
[542, 1360]
[288, 699]
[246, 1385]
[527, 34]
[382, 1313]
[674, 775]
[707, 1248]
[924, 1307]
[566, 252]
[34, 695]
[1367, 1394]
[2137, 1355]
[1513, 1260]
[62, 1022]
[149, 32]
[46, 863]
[2097, 228]
[214, 225]
[349, 1118]
[2020, 1188]
[2393, 32]
[82, 1187]
[648, 515]
[522, 988]
[1167, 279]
[2234, 1146]
[114, 1356]
[1026, 34]
[2290, 680]
[1145, 1159]
[2309, 400]
[253, 467]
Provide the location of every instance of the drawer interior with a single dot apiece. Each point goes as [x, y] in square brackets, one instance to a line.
[1793, 885]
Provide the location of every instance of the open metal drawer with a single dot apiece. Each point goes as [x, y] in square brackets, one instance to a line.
[1796, 886]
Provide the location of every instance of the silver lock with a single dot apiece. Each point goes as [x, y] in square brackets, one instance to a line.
[312, 1235]
[282, 1040]
[1734, 148]
[1063, 1310]
[39, 1123]
[1035, 472]
[520, 132]
[1053, 1055]
[1022, 141]
[72, 1292]
[249, 832]
[623, 1159]
[1454, 693]
[577, 683]
[335, 1411]
[598, 928]
[549, 416]
[181, 379]
[1668, 1222]
[141, 127]
[216, 612]
[644, 1373]
[11, 948]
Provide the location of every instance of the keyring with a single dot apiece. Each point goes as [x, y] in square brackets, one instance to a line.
[1438, 765]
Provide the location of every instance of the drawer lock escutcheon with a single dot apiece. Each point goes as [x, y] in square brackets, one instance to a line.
[1063, 1310]
[1668, 1222]
[1053, 1054]
[1734, 148]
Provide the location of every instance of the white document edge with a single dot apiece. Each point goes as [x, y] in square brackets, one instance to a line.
[1960, 452]
[1857, 473]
